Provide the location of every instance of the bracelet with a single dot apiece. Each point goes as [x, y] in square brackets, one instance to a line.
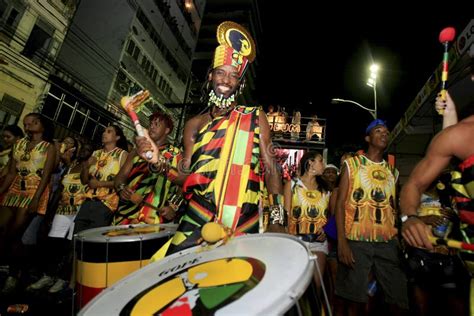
[277, 214]
[161, 166]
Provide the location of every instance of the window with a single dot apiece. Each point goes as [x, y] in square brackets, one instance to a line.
[131, 47]
[9, 18]
[79, 118]
[12, 17]
[136, 53]
[51, 104]
[65, 114]
[74, 114]
[38, 44]
[10, 110]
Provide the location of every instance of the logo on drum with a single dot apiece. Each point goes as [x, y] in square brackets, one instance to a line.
[201, 289]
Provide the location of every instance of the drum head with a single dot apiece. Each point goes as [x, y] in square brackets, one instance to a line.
[252, 275]
[126, 233]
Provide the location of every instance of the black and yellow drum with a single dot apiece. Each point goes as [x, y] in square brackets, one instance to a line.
[264, 274]
[107, 254]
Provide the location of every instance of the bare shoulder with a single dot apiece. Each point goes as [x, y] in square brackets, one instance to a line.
[455, 140]
[196, 122]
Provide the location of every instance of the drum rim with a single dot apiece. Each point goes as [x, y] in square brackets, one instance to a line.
[95, 235]
[288, 299]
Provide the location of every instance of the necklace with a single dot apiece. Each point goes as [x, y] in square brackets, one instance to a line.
[220, 102]
[27, 153]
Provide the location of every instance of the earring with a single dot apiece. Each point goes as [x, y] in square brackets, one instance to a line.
[242, 87]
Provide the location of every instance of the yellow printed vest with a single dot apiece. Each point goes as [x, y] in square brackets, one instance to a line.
[309, 209]
[106, 168]
[73, 194]
[370, 205]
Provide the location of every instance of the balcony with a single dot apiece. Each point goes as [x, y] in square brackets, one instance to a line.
[297, 131]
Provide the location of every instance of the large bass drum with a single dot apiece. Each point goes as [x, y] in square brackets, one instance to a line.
[105, 255]
[264, 274]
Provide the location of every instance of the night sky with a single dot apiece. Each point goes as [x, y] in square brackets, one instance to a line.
[304, 61]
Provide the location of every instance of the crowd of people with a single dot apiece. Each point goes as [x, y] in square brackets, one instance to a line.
[226, 172]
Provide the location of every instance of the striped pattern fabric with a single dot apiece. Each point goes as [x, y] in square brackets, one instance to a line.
[154, 187]
[225, 181]
[462, 182]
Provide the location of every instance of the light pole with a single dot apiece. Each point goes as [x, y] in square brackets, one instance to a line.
[372, 82]
[373, 112]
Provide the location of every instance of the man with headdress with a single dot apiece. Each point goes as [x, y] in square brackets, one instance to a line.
[224, 151]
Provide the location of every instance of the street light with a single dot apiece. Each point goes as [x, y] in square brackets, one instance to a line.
[371, 111]
[372, 82]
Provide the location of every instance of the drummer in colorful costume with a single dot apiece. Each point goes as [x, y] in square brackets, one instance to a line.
[147, 196]
[454, 141]
[224, 150]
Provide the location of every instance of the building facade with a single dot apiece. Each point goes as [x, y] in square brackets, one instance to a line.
[116, 48]
[31, 35]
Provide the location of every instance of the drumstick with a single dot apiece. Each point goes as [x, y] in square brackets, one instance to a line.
[451, 243]
[130, 103]
[447, 35]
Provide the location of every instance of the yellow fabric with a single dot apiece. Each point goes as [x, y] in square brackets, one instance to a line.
[29, 166]
[308, 213]
[161, 253]
[73, 194]
[107, 166]
[370, 213]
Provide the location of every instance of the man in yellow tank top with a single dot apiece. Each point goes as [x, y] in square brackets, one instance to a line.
[365, 217]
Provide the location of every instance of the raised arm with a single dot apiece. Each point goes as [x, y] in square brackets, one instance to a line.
[450, 115]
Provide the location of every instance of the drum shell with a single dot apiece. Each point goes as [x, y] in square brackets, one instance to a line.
[284, 284]
[105, 255]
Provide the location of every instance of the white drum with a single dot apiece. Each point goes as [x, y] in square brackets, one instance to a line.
[250, 275]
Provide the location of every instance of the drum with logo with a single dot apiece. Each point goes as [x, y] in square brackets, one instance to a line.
[264, 274]
[107, 254]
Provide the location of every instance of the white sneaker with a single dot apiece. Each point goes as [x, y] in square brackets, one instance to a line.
[58, 286]
[45, 281]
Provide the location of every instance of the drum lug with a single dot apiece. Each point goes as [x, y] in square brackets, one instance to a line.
[313, 256]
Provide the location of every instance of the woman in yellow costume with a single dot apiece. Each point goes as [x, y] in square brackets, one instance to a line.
[26, 187]
[99, 174]
[307, 201]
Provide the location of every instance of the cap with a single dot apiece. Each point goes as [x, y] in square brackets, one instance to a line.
[374, 123]
[331, 166]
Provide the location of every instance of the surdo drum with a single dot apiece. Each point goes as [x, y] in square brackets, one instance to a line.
[105, 255]
[263, 274]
